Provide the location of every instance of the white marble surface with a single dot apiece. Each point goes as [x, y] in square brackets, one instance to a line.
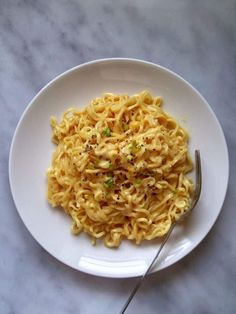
[39, 40]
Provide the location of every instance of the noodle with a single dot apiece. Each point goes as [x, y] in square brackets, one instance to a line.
[119, 168]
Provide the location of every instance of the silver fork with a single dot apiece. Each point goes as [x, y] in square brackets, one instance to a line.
[196, 196]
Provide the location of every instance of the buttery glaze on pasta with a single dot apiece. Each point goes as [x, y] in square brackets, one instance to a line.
[119, 168]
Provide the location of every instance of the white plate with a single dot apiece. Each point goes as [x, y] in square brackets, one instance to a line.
[31, 152]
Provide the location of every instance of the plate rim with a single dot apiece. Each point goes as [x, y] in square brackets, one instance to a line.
[157, 67]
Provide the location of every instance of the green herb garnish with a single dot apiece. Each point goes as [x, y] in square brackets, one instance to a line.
[107, 132]
[134, 144]
[134, 147]
[125, 127]
[137, 182]
[110, 165]
[109, 183]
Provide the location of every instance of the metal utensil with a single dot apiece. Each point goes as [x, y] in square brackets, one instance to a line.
[196, 196]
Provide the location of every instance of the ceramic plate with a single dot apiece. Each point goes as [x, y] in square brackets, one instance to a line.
[31, 152]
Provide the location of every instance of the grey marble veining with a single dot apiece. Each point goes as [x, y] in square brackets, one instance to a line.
[39, 40]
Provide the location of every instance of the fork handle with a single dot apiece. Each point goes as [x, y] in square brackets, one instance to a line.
[194, 202]
[141, 279]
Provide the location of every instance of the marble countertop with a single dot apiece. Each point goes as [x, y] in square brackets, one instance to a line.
[39, 40]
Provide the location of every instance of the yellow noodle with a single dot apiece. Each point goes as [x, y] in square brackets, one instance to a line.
[119, 168]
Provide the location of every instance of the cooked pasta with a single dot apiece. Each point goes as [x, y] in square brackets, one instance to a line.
[119, 168]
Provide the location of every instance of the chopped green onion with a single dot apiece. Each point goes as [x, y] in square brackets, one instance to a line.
[134, 144]
[109, 183]
[137, 182]
[110, 166]
[107, 132]
[125, 127]
[134, 147]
